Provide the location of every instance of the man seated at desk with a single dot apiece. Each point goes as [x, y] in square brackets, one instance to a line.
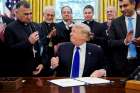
[78, 58]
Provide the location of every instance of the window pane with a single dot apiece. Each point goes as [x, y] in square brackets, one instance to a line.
[77, 7]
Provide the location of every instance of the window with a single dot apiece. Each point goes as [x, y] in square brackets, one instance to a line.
[2, 6]
[77, 7]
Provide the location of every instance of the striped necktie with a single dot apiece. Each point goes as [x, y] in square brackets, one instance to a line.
[132, 53]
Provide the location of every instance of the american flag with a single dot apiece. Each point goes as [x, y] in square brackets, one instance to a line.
[11, 3]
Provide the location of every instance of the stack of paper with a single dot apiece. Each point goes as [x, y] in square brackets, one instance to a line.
[67, 82]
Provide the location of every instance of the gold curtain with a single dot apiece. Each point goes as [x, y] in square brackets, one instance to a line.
[37, 8]
[103, 6]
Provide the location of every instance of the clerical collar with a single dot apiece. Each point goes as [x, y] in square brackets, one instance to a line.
[25, 24]
[49, 22]
[88, 21]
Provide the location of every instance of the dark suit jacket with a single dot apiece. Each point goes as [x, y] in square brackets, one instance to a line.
[63, 33]
[99, 36]
[46, 28]
[122, 66]
[7, 20]
[3, 49]
[20, 55]
[93, 59]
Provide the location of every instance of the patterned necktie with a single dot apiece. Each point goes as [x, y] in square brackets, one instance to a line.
[132, 53]
[76, 63]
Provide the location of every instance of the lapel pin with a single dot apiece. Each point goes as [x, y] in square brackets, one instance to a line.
[89, 53]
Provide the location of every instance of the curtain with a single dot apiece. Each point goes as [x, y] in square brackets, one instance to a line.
[37, 8]
[103, 6]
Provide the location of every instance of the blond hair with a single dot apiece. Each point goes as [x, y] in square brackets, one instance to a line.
[85, 29]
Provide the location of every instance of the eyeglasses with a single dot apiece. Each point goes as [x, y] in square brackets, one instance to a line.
[26, 14]
[52, 15]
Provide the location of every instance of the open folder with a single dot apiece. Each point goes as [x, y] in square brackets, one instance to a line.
[68, 82]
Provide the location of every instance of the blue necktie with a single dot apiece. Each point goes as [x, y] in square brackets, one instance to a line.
[76, 63]
[132, 53]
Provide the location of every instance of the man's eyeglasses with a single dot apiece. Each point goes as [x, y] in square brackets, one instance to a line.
[52, 15]
[26, 14]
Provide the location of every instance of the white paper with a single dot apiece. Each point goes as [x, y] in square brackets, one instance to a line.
[93, 80]
[67, 82]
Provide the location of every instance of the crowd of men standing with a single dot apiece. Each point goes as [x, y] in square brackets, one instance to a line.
[28, 48]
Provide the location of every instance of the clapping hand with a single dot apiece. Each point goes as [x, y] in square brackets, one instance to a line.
[54, 62]
[129, 38]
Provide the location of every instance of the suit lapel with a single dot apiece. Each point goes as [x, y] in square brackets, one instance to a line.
[92, 25]
[87, 59]
[70, 53]
[137, 26]
[63, 25]
[123, 26]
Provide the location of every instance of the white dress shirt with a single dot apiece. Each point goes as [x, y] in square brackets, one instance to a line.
[67, 25]
[82, 52]
[134, 18]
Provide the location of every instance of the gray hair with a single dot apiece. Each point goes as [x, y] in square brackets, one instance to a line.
[48, 8]
[66, 7]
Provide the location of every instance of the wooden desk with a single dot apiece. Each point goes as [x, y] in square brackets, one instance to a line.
[41, 85]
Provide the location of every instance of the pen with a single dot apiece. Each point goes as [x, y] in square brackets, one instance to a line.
[81, 81]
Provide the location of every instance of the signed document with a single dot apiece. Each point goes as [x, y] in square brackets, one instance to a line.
[93, 80]
[68, 82]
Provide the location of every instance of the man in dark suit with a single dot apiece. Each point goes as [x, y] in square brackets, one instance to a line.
[99, 33]
[48, 27]
[119, 39]
[111, 13]
[7, 20]
[22, 37]
[2, 46]
[91, 57]
[96, 27]
[4, 21]
[63, 28]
